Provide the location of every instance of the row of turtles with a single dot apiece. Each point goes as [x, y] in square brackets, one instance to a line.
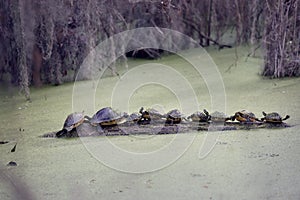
[107, 118]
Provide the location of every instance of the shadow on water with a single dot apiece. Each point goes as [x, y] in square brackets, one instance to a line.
[18, 189]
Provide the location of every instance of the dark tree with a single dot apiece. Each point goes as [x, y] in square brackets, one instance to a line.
[46, 41]
[282, 38]
[17, 42]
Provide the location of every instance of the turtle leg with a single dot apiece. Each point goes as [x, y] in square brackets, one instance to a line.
[184, 119]
[232, 118]
[257, 120]
[168, 122]
[144, 121]
[122, 132]
[99, 129]
[250, 120]
[208, 118]
[286, 117]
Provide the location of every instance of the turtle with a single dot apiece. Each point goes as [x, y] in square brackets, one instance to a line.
[106, 117]
[145, 116]
[273, 117]
[244, 116]
[174, 117]
[218, 117]
[148, 115]
[155, 114]
[72, 121]
[200, 116]
[133, 117]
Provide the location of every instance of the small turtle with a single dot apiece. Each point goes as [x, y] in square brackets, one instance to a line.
[107, 117]
[244, 116]
[134, 117]
[200, 116]
[218, 117]
[145, 117]
[155, 114]
[174, 117]
[73, 120]
[273, 117]
[148, 115]
[124, 116]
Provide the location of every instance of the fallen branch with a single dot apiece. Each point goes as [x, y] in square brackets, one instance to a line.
[221, 46]
[252, 52]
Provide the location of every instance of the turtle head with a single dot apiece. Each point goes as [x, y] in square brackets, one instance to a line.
[205, 112]
[141, 110]
[232, 118]
[87, 117]
[265, 114]
[286, 117]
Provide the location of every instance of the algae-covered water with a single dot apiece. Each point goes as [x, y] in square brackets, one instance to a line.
[253, 164]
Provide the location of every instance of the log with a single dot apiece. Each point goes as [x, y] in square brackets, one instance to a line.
[158, 128]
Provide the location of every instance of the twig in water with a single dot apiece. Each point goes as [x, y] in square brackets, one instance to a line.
[14, 148]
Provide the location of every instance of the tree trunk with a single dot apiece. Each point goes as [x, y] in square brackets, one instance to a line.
[239, 23]
[253, 39]
[19, 42]
[112, 53]
[209, 21]
[37, 60]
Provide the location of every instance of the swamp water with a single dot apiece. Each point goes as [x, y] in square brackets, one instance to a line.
[239, 164]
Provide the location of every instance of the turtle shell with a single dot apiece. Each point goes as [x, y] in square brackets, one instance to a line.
[174, 117]
[106, 116]
[73, 120]
[200, 116]
[218, 116]
[150, 114]
[245, 116]
[174, 114]
[154, 114]
[134, 117]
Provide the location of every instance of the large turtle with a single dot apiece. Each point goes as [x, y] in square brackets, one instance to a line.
[200, 116]
[72, 121]
[244, 116]
[174, 117]
[106, 117]
[273, 117]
